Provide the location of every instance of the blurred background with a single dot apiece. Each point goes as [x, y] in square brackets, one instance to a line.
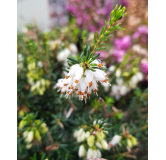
[48, 32]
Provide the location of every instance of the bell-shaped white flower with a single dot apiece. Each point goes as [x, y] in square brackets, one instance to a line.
[98, 154]
[104, 144]
[89, 77]
[115, 140]
[73, 70]
[81, 151]
[98, 145]
[89, 153]
[30, 136]
[94, 154]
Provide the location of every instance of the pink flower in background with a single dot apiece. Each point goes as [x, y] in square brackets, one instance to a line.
[123, 43]
[125, 2]
[141, 30]
[144, 66]
[102, 54]
[119, 54]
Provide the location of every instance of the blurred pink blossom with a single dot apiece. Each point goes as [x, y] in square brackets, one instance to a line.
[119, 54]
[123, 43]
[144, 66]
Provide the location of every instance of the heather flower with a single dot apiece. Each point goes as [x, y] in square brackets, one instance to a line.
[144, 66]
[82, 151]
[119, 54]
[82, 84]
[123, 43]
[142, 31]
[115, 140]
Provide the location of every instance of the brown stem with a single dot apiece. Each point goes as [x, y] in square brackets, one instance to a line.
[104, 107]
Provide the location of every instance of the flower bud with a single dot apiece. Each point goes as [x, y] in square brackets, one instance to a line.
[90, 140]
[129, 143]
[87, 135]
[133, 140]
[98, 154]
[89, 153]
[115, 140]
[104, 144]
[81, 151]
[30, 136]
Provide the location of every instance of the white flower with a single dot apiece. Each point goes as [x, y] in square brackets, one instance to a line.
[94, 154]
[39, 64]
[98, 145]
[81, 151]
[62, 56]
[118, 73]
[119, 89]
[73, 48]
[135, 79]
[87, 135]
[29, 136]
[115, 140]
[75, 134]
[98, 154]
[89, 153]
[111, 68]
[82, 82]
[104, 144]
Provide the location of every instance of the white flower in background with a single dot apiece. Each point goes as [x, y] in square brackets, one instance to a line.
[115, 140]
[82, 83]
[24, 30]
[20, 57]
[73, 48]
[111, 68]
[80, 135]
[137, 48]
[39, 64]
[81, 151]
[62, 55]
[118, 73]
[119, 89]
[135, 79]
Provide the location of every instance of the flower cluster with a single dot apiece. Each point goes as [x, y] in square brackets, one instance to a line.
[81, 81]
[38, 84]
[33, 130]
[95, 141]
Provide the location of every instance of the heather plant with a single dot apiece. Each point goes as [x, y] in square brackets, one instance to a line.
[87, 120]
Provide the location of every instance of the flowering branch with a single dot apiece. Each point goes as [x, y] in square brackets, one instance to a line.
[86, 71]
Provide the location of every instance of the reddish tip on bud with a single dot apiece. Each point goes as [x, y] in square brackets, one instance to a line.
[60, 87]
[65, 84]
[84, 97]
[76, 89]
[82, 93]
[90, 84]
[71, 87]
[99, 65]
[89, 94]
[105, 81]
[79, 93]
[61, 92]
[68, 87]
[67, 77]
[95, 90]
[76, 81]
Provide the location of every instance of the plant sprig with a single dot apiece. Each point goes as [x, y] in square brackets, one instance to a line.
[86, 58]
